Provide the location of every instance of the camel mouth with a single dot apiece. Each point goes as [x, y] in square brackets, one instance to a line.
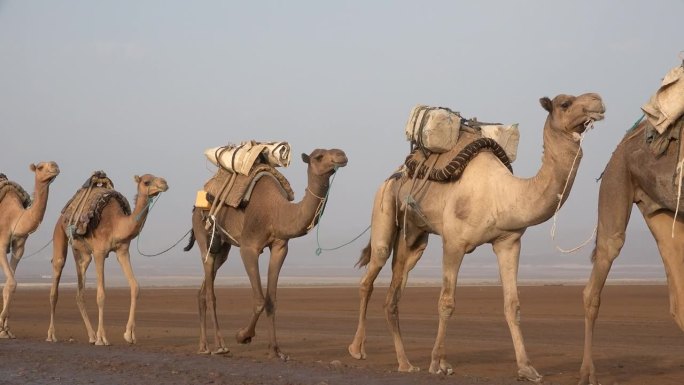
[596, 116]
[341, 163]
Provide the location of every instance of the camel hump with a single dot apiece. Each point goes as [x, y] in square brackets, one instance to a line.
[7, 186]
[84, 210]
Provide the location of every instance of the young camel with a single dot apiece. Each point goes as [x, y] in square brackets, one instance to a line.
[114, 233]
[268, 220]
[634, 175]
[486, 205]
[17, 222]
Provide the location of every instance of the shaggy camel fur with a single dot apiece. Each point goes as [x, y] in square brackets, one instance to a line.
[16, 224]
[634, 175]
[268, 220]
[486, 205]
[114, 233]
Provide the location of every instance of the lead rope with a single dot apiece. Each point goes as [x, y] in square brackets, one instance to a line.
[589, 124]
[319, 214]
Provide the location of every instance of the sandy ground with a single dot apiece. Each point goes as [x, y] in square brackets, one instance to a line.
[636, 340]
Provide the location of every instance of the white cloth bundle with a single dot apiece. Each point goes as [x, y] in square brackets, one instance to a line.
[667, 105]
[508, 137]
[433, 128]
[242, 157]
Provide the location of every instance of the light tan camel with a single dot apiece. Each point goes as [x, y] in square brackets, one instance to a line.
[634, 175]
[17, 222]
[486, 205]
[268, 220]
[114, 233]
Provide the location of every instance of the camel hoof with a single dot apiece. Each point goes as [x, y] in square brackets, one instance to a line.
[242, 337]
[102, 342]
[360, 355]
[441, 367]
[280, 355]
[204, 351]
[130, 338]
[408, 369]
[530, 374]
[222, 351]
[6, 334]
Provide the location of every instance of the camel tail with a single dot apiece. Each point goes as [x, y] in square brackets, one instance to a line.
[191, 242]
[365, 256]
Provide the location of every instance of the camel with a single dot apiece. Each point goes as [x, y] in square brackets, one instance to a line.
[17, 222]
[488, 204]
[267, 220]
[634, 175]
[114, 233]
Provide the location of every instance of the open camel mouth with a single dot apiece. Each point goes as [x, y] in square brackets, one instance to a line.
[596, 116]
[341, 164]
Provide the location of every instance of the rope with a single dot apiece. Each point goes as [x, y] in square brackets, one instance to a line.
[137, 244]
[589, 124]
[213, 232]
[317, 219]
[35, 252]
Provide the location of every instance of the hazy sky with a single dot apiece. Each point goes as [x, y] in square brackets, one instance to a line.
[133, 87]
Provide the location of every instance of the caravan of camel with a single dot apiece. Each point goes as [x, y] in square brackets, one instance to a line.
[457, 183]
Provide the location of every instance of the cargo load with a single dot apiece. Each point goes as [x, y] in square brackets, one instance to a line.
[433, 128]
[240, 158]
[507, 136]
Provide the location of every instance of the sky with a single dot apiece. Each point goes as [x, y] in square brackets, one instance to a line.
[134, 87]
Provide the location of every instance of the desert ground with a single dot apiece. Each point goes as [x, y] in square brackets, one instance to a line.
[637, 342]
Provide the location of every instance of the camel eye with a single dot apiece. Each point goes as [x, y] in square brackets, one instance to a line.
[566, 104]
[146, 183]
[318, 158]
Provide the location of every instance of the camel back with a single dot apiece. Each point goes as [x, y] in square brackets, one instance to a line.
[241, 190]
[85, 217]
[449, 166]
[7, 186]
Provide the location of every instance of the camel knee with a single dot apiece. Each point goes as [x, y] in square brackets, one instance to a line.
[259, 306]
[10, 285]
[135, 290]
[512, 311]
[446, 307]
[270, 306]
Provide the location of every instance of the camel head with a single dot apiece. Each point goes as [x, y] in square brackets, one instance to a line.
[150, 185]
[573, 114]
[325, 162]
[46, 172]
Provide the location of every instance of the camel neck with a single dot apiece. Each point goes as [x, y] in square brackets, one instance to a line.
[33, 216]
[557, 173]
[298, 218]
[137, 219]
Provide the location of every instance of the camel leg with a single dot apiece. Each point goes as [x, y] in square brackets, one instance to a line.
[17, 251]
[615, 207]
[207, 294]
[99, 268]
[250, 259]
[451, 264]
[671, 251]
[278, 254]
[59, 252]
[405, 259]
[508, 254]
[383, 232]
[82, 262]
[7, 291]
[124, 258]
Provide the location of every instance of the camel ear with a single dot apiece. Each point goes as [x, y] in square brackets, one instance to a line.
[546, 104]
[32, 167]
[136, 179]
[305, 158]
